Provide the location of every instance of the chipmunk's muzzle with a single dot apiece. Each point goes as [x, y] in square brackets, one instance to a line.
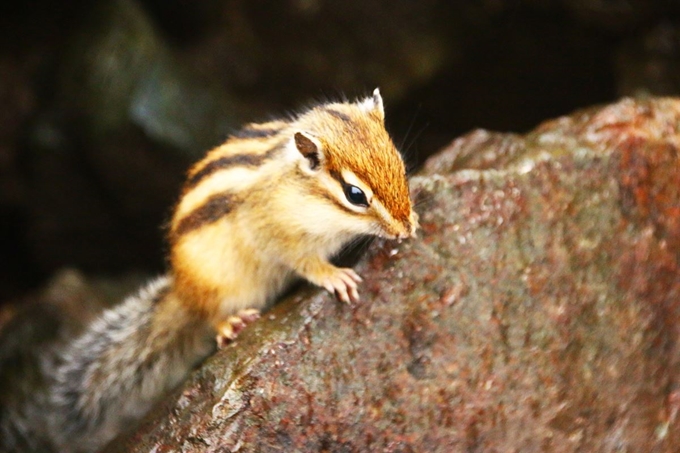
[408, 228]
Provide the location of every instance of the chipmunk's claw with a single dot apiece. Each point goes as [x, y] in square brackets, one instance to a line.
[228, 330]
[344, 283]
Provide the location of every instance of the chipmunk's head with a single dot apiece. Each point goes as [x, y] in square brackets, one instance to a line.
[354, 169]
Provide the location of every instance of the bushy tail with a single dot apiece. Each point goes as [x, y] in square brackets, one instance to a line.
[124, 362]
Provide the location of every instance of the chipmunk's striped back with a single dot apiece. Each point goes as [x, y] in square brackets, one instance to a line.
[255, 210]
[272, 203]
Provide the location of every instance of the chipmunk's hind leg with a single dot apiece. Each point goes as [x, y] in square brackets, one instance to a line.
[228, 330]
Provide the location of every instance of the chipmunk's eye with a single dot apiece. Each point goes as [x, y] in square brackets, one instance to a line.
[355, 195]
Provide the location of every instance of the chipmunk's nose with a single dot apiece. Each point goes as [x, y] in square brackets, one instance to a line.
[404, 235]
[404, 229]
[409, 232]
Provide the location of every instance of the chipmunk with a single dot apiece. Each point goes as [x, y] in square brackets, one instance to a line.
[274, 203]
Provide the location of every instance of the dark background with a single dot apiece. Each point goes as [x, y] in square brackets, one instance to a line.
[106, 103]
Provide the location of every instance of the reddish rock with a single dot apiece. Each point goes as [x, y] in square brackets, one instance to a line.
[537, 311]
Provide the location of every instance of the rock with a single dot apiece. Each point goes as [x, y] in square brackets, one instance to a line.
[537, 311]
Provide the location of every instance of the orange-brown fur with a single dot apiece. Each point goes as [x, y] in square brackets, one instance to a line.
[389, 179]
[352, 137]
[275, 201]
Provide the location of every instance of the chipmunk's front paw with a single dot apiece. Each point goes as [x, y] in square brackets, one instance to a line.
[228, 330]
[343, 282]
[339, 280]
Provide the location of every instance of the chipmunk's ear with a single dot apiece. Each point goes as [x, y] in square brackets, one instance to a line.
[310, 148]
[374, 105]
